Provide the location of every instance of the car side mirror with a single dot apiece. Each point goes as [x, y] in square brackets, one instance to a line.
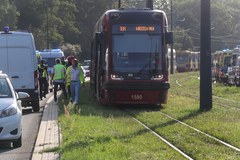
[22, 95]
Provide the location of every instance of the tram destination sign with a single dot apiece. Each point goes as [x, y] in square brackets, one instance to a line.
[136, 28]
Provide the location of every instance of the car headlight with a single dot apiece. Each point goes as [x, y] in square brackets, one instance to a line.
[8, 111]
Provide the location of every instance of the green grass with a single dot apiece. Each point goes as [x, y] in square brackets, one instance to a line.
[106, 132]
[96, 132]
[231, 92]
[217, 122]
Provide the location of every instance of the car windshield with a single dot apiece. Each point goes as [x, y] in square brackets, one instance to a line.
[5, 91]
[86, 67]
[86, 63]
[50, 61]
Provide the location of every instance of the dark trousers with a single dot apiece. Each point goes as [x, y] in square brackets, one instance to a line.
[43, 87]
[62, 87]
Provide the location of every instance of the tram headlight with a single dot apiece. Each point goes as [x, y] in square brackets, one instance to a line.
[116, 77]
[157, 77]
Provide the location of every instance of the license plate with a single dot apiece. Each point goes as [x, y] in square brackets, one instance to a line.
[136, 97]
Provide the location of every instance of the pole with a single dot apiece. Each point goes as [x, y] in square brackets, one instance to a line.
[171, 62]
[149, 4]
[47, 24]
[205, 58]
[119, 3]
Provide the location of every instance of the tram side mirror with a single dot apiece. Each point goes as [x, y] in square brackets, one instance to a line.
[169, 37]
[98, 36]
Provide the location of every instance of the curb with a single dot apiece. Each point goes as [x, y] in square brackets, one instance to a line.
[49, 136]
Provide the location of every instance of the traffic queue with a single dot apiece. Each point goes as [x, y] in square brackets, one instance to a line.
[27, 76]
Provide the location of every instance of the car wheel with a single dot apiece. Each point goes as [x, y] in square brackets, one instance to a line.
[18, 142]
[35, 106]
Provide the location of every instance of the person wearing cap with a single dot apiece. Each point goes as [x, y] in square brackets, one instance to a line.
[76, 78]
[58, 77]
[43, 79]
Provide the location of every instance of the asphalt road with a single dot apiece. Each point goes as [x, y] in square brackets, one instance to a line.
[30, 125]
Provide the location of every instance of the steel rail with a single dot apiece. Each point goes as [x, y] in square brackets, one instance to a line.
[208, 135]
[163, 139]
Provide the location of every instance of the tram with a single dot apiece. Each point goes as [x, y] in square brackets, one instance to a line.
[187, 60]
[129, 58]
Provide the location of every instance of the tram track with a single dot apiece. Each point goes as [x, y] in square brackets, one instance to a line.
[204, 133]
[176, 148]
[217, 100]
[170, 144]
[231, 103]
[224, 102]
[220, 103]
[163, 139]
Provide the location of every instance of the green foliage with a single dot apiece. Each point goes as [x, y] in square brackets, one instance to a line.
[30, 16]
[182, 39]
[8, 14]
[69, 21]
[70, 49]
[88, 13]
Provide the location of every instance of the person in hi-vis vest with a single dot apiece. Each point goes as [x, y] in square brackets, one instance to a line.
[43, 79]
[76, 79]
[58, 77]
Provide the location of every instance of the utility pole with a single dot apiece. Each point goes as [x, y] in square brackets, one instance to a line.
[119, 3]
[47, 23]
[149, 4]
[205, 58]
[171, 61]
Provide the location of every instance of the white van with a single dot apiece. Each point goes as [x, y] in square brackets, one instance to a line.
[49, 56]
[18, 60]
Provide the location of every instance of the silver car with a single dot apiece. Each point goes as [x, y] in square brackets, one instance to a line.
[10, 112]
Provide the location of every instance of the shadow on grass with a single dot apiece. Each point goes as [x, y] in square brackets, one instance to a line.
[90, 141]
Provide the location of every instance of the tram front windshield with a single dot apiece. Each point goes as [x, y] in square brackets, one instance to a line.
[182, 58]
[137, 53]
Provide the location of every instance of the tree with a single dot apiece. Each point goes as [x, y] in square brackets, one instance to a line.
[73, 21]
[88, 13]
[225, 22]
[8, 14]
[67, 12]
[223, 26]
[71, 50]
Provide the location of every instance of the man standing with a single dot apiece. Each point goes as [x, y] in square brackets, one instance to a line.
[75, 77]
[43, 79]
[58, 78]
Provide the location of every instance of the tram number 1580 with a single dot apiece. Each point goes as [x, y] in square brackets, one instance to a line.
[137, 97]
